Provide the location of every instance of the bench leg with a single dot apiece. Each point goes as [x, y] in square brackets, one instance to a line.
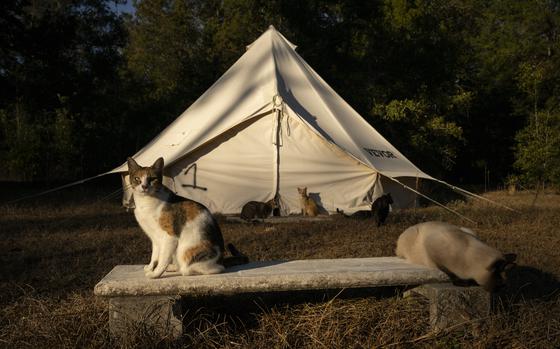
[451, 306]
[160, 313]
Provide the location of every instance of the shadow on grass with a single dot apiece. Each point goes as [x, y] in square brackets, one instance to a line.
[526, 284]
[244, 310]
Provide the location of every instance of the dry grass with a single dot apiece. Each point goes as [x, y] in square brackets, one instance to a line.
[54, 251]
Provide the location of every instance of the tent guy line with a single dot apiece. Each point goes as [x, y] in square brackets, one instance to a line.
[468, 193]
[434, 201]
[81, 181]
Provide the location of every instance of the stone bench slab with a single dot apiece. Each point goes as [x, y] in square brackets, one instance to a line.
[271, 276]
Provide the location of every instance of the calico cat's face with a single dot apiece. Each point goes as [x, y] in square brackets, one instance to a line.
[145, 180]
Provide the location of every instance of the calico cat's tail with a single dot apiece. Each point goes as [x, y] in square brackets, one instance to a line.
[236, 258]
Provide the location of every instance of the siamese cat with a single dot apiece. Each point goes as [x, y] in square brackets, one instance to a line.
[182, 231]
[256, 209]
[456, 251]
[308, 205]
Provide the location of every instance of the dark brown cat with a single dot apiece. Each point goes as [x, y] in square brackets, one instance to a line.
[380, 208]
[256, 209]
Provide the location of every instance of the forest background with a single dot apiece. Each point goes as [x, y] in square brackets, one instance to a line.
[467, 89]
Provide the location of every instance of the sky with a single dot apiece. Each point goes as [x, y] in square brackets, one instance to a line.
[126, 8]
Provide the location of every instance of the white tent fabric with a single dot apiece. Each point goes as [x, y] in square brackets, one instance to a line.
[271, 124]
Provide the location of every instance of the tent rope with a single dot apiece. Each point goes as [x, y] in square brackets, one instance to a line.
[468, 193]
[110, 196]
[116, 193]
[432, 200]
[81, 181]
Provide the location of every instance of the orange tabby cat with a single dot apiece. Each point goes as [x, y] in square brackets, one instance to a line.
[308, 205]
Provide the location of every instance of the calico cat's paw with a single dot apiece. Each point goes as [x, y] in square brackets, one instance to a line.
[149, 267]
[151, 275]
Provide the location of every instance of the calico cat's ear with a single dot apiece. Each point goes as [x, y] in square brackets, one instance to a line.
[132, 165]
[158, 165]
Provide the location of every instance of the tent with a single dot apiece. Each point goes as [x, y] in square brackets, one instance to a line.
[269, 125]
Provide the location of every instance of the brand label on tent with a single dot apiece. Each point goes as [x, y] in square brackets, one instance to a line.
[380, 153]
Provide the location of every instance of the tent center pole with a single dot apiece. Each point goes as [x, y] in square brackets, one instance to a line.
[277, 141]
[277, 105]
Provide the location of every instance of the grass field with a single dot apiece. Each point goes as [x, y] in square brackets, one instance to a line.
[53, 251]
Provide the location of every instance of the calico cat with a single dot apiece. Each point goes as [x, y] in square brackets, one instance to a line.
[456, 251]
[308, 205]
[182, 231]
[255, 209]
[380, 208]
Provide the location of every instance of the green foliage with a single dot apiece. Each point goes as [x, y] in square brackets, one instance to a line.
[421, 105]
[58, 72]
[44, 148]
[21, 144]
[538, 150]
[521, 41]
[164, 45]
[435, 139]
[234, 23]
[65, 143]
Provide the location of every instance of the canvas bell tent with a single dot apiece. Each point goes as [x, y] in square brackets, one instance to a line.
[269, 125]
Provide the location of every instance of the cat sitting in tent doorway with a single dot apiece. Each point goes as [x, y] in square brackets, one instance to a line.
[255, 210]
[308, 206]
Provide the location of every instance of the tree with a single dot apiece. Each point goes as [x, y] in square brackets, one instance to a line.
[538, 150]
[58, 72]
[515, 49]
[419, 97]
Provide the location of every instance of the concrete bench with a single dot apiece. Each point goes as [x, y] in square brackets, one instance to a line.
[133, 297]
